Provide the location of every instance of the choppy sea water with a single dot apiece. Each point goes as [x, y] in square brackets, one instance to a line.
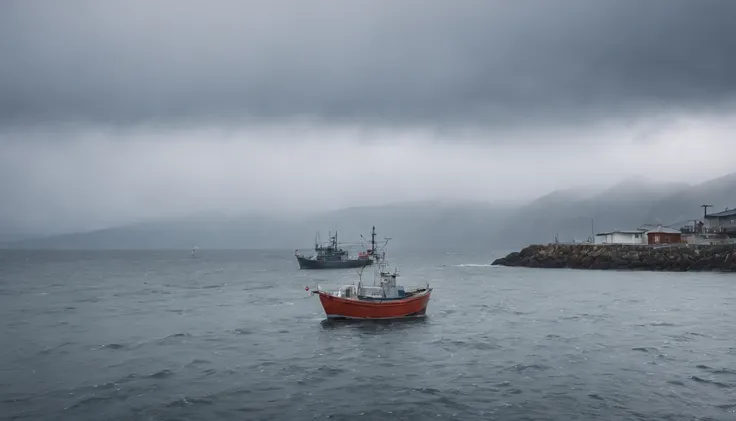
[233, 335]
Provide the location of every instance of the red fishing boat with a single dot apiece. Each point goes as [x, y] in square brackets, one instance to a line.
[382, 300]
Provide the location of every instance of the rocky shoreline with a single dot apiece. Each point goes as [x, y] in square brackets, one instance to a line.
[675, 258]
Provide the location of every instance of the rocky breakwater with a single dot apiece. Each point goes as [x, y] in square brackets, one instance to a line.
[676, 258]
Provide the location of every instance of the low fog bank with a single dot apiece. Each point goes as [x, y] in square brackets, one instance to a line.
[424, 225]
[65, 179]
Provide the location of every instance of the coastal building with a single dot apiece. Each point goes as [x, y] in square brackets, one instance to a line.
[706, 238]
[724, 222]
[719, 229]
[633, 237]
[663, 235]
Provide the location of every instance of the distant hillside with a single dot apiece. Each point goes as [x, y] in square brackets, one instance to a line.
[685, 203]
[629, 204]
[427, 225]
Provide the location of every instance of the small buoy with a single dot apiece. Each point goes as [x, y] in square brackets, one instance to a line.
[306, 288]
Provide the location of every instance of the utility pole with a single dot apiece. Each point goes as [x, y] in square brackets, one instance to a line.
[705, 209]
[592, 231]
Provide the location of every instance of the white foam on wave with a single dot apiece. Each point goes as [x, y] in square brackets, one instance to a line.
[474, 265]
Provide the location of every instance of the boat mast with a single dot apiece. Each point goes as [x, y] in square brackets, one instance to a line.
[373, 240]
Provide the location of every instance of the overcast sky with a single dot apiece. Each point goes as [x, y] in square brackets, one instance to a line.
[118, 111]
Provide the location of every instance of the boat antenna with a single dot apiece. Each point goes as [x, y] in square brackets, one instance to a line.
[373, 240]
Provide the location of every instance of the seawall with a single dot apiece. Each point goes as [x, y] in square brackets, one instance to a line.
[675, 258]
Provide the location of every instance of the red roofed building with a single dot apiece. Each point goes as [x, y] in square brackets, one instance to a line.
[662, 235]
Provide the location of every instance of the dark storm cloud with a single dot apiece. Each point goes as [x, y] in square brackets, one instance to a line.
[416, 62]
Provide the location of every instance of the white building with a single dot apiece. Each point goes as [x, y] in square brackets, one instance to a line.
[633, 237]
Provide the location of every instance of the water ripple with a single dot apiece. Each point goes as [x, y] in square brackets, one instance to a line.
[159, 335]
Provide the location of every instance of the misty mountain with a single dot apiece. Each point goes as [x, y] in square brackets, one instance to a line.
[629, 204]
[685, 205]
[416, 225]
[572, 213]
[622, 206]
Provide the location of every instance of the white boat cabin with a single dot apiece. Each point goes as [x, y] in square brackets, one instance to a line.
[386, 289]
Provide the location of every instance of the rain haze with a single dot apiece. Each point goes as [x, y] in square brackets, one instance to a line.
[117, 113]
[535, 202]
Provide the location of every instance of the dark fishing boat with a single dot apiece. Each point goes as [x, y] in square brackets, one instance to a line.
[332, 256]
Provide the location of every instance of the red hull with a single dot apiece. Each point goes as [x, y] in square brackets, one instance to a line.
[336, 307]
